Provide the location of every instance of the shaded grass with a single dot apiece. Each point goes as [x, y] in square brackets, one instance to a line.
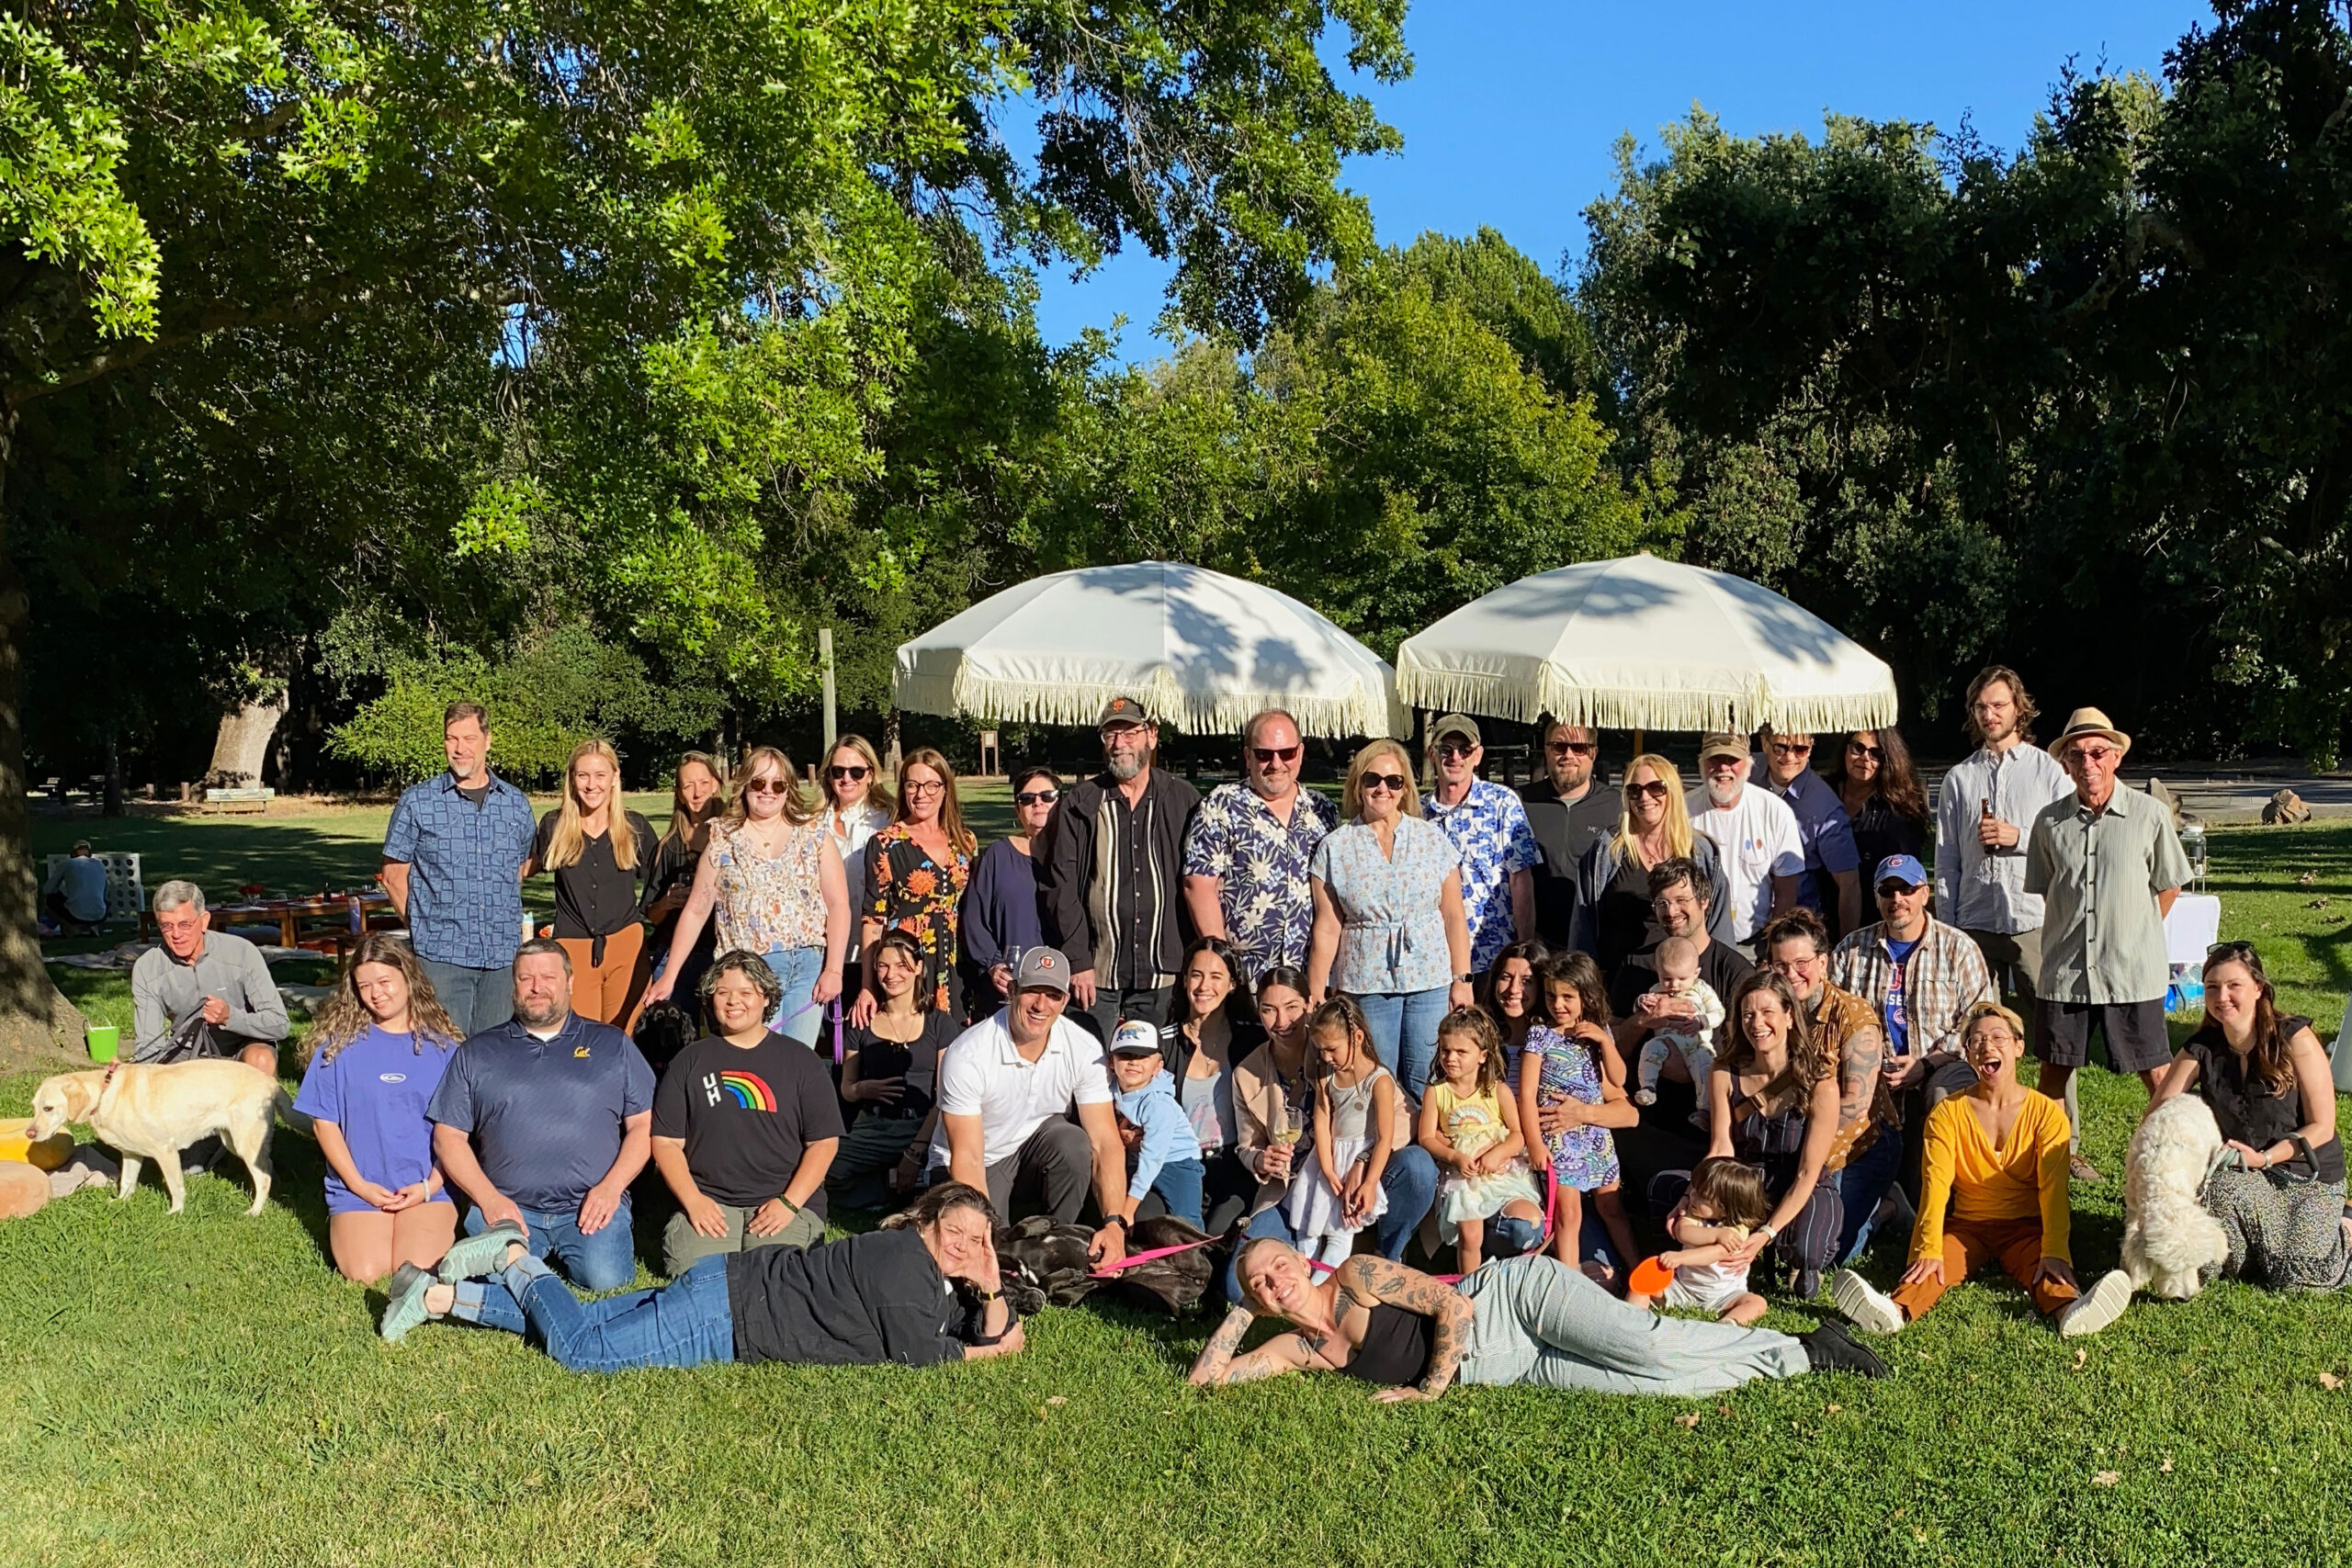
[202, 1389]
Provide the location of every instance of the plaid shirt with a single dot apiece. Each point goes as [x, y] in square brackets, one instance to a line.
[465, 896]
[1944, 976]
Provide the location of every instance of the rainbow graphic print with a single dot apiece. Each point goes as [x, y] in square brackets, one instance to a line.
[747, 1089]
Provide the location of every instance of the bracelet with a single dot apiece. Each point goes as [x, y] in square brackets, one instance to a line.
[1768, 1231]
[789, 1204]
[1118, 1220]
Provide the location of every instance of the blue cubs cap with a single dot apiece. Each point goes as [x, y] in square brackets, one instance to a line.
[1905, 869]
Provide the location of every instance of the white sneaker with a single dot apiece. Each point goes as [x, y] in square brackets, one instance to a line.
[2103, 1305]
[1866, 1307]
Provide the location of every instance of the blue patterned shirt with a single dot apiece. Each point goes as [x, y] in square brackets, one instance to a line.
[464, 895]
[1490, 828]
[1392, 934]
[1261, 863]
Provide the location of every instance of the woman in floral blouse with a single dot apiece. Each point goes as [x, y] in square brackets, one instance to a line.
[915, 872]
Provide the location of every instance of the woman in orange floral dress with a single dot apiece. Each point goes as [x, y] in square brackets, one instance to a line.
[915, 872]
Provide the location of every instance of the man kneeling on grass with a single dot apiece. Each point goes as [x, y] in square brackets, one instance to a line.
[923, 1290]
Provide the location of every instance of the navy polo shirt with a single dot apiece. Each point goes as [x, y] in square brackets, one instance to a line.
[544, 1115]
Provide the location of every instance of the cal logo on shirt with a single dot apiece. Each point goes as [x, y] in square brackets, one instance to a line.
[391, 1078]
[579, 1053]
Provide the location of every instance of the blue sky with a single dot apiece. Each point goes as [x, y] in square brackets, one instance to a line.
[1512, 108]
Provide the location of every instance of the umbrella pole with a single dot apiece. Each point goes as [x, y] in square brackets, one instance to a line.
[1638, 747]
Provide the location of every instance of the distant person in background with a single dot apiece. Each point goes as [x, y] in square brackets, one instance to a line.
[599, 851]
[696, 800]
[202, 993]
[453, 863]
[378, 1046]
[858, 805]
[76, 892]
[773, 882]
[1488, 826]
[1114, 877]
[1247, 852]
[916, 869]
[1569, 810]
[1984, 807]
[1616, 915]
[1762, 854]
[1833, 881]
[1879, 786]
[1004, 910]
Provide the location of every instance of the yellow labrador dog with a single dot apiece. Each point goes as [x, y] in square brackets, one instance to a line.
[154, 1112]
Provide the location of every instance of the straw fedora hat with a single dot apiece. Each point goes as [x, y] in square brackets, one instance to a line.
[2084, 722]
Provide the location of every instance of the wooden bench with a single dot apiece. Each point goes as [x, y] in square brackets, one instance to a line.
[238, 799]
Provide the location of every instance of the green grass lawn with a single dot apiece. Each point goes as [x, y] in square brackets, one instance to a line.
[202, 1389]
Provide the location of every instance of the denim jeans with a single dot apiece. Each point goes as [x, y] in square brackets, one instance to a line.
[1860, 1185]
[605, 1261]
[1537, 1321]
[684, 1324]
[1411, 1181]
[1404, 1033]
[1180, 1184]
[797, 1016]
[475, 1000]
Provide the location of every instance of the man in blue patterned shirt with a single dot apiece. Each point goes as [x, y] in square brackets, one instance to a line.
[1246, 855]
[453, 863]
[1488, 824]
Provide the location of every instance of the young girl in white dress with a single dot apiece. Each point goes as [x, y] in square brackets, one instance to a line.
[1339, 1193]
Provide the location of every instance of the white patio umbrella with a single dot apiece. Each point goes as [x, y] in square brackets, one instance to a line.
[1640, 643]
[1203, 650]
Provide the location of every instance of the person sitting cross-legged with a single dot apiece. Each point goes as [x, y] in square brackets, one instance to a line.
[543, 1121]
[746, 1124]
[925, 1288]
[1998, 1156]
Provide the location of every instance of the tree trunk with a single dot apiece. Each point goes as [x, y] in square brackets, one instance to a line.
[113, 799]
[243, 743]
[890, 757]
[38, 1025]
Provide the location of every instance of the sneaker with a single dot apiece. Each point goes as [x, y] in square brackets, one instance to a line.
[476, 1256]
[2102, 1306]
[1867, 1307]
[1831, 1349]
[1806, 1285]
[2084, 1171]
[406, 1309]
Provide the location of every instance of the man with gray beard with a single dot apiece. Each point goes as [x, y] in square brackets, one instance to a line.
[1113, 874]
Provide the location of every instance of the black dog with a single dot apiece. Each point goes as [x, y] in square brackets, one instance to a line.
[663, 1031]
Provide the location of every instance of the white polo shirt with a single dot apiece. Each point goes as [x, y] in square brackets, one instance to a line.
[1756, 840]
[981, 1074]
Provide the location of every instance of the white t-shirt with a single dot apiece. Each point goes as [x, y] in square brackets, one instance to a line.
[982, 1074]
[1756, 838]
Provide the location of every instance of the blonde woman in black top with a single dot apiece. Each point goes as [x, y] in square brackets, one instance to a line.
[598, 911]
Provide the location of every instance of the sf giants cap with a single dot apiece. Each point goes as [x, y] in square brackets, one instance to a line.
[1134, 1038]
[1044, 968]
[1122, 711]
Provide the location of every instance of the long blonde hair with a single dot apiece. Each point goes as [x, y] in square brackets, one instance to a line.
[877, 791]
[342, 1017]
[683, 823]
[1351, 792]
[1679, 832]
[564, 843]
[951, 813]
[797, 809]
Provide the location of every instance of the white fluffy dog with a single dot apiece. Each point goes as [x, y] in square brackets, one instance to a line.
[2170, 1239]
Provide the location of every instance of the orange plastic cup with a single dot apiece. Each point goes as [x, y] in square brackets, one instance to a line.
[1650, 1278]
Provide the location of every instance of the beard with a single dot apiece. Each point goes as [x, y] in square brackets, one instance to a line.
[538, 1014]
[1124, 766]
[1723, 793]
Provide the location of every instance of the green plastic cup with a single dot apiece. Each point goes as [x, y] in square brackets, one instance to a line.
[104, 1040]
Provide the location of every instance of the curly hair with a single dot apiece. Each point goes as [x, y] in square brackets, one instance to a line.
[2026, 711]
[753, 967]
[1579, 972]
[342, 1017]
[1480, 1033]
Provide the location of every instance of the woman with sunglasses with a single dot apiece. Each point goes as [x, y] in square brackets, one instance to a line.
[916, 869]
[1884, 798]
[2280, 1199]
[857, 806]
[1003, 912]
[773, 883]
[1390, 930]
[1614, 915]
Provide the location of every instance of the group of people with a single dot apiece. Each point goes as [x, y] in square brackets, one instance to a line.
[1314, 1031]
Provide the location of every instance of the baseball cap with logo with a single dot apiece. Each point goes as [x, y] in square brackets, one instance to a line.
[1042, 967]
[1713, 746]
[1121, 711]
[1134, 1038]
[1905, 869]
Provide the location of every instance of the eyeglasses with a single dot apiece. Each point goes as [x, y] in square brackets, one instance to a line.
[1395, 783]
[1267, 756]
[767, 786]
[1561, 747]
[1654, 790]
[1793, 748]
[1857, 749]
[1037, 797]
[856, 771]
[923, 786]
[1452, 751]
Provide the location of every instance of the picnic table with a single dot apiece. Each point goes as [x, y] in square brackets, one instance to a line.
[328, 916]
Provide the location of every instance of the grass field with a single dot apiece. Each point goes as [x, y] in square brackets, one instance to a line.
[204, 1390]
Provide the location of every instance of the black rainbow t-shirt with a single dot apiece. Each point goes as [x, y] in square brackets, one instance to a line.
[747, 1116]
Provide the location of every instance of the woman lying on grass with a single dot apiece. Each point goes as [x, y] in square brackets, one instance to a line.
[1524, 1320]
[889, 1295]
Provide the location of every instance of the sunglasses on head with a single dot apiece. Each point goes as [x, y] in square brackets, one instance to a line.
[1654, 790]
[1267, 756]
[854, 770]
[1037, 797]
[1397, 783]
[1561, 747]
[2229, 950]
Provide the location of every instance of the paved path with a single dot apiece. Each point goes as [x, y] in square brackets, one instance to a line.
[2230, 792]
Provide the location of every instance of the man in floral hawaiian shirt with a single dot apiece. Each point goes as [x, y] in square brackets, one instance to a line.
[1245, 858]
[1489, 825]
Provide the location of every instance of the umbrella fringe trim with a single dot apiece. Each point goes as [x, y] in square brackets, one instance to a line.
[1622, 707]
[1081, 704]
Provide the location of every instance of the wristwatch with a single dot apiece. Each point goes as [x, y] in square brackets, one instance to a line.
[1469, 980]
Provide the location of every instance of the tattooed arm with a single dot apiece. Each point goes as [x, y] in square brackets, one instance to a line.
[1369, 1278]
[1218, 1364]
[1858, 1065]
